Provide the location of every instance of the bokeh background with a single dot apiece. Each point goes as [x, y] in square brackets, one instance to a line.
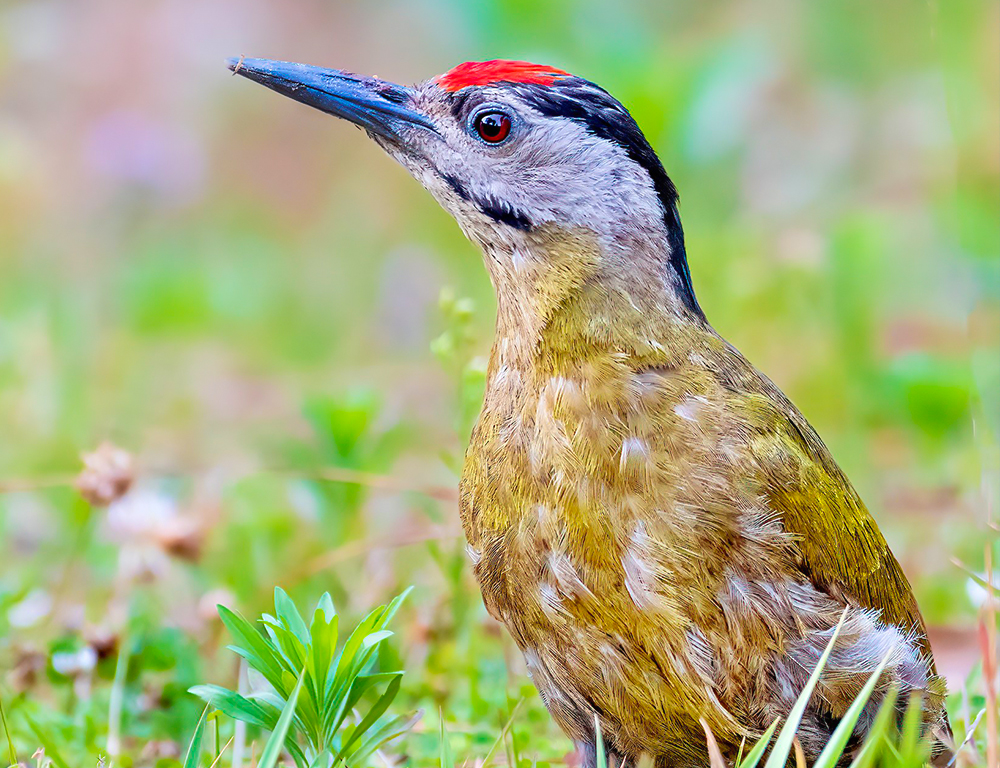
[243, 294]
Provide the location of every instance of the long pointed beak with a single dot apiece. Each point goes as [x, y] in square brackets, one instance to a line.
[377, 106]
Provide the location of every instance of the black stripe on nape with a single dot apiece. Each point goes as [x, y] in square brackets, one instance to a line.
[584, 102]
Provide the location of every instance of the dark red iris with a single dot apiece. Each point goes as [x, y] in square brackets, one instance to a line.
[492, 127]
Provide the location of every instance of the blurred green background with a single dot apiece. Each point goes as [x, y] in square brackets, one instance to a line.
[241, 291]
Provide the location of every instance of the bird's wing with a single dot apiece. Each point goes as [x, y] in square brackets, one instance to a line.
[840, 547]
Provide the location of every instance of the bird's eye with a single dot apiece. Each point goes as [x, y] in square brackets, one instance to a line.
[492, 127]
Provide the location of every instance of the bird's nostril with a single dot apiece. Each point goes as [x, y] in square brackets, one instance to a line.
[391, 92]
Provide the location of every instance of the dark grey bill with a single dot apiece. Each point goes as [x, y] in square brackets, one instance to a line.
[376, 105]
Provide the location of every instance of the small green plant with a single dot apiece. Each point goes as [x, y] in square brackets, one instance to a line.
[455, 348]
[325, 707]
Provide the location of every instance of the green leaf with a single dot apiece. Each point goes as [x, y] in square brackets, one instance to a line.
[834, 749]
[323, 632]
[377, 710]
[348, 664]
[393, 606]
[293, 651]
[385, 732]
[359, 686]
[290, 616]
[323, 760]
[270, 702]
[193, 756]
[375, 638]
[296, 752]
[326, 605]
[258, 653]
[783, 744]
[272, 750]
[233, 704]
[358, 651]
[329, 684]
[363, 683]
[757, 751]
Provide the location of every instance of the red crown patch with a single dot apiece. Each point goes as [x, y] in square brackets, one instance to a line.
[498, 71]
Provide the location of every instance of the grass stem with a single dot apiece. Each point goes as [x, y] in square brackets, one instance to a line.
[6, 730]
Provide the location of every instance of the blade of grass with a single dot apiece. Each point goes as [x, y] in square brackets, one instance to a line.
[514, 749]
[601, 759]
[272, 750]
[6, 731]
[913, 746]
[240, 729]
[218, 746]
[225, 746]
[884, 720]
[193, 755]
[969, 733]
[508, 752]
[232, 704]
[783, 744]
[739, 753]
[51, 751]
[447, 759]
[117, 699]
[834, 748]
[989, 650]
[493, 749]
[757, 751]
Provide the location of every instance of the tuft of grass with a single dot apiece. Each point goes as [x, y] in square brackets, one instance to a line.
[324, 706]
[834, 749]
[783, 744]
[884, 745]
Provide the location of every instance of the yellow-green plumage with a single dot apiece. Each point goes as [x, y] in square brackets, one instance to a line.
[657, 524]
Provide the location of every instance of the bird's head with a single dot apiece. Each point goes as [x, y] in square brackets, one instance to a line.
[522, 155]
